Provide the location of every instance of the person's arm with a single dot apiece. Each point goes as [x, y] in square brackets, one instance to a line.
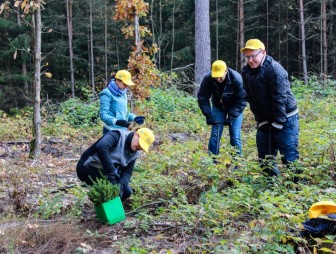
[89, 152]
[108, 142]
[204, 95]
[126, 172]
[105, 104]
[240, 98]
[280, 86]
[248, 95]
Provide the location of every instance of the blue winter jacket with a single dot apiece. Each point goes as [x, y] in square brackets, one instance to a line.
[113, 108]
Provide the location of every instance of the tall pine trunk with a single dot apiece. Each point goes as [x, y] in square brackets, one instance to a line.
[202, 41]
[324, 40]
[241, 31]
[303, 43]
[70, 32]
[35, 143]
[24, 66]
[91, 51]
[105, 40]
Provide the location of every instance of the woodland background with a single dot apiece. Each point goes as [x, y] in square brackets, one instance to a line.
[99, 46]
[57, 57]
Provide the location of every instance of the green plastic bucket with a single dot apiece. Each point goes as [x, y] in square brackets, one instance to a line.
[111, 211]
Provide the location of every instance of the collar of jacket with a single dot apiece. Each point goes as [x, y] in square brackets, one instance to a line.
[128, 142]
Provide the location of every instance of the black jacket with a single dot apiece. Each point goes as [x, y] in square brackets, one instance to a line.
[229, 95]
[103, 147]
[268, 91]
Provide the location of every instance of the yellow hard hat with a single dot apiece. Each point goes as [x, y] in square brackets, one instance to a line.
[253, 44]
[321, 208]
[146, 138]
[125, 77]
[218, 69]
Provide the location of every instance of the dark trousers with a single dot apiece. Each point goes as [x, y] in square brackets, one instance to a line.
[285, 141]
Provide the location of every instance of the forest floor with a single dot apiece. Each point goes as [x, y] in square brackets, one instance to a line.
[29, 188]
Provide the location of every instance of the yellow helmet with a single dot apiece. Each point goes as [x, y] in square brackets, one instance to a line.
[146, 138]
[125, 76]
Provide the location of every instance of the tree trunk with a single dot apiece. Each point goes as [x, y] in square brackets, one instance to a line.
[267, 23]
[91, 52]
[153, 29]
[303, 43]
[35, 143]
[279, 29]
[324, 39]
[173, 39]
[241, 31]
[202, 41]
[217, 24]
[24, 66]
[137, 33]
[237, 40]
[70, 32]
[105, 40]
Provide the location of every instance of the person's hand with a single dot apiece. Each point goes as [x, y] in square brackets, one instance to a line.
[139, 119]
[263, 126]
[210, 120]
[123, 123]
[113, 177]
[228, 121]
[125, 190]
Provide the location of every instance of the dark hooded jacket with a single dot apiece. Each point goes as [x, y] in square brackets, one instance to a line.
[229, 95]
[268, 92]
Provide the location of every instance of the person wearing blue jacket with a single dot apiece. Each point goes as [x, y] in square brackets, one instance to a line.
[223, 87]
[113, 103]
[274, 107]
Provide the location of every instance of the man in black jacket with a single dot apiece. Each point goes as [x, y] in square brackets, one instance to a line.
[224, 87]
[113, 156]
[274, 107]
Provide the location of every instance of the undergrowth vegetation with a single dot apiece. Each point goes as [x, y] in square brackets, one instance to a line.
[182, 202]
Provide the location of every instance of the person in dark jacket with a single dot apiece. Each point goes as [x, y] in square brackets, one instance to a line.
[113, 156]
[224, 88]
[274, 107]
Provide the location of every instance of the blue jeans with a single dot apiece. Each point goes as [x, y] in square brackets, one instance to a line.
[217, 130]
[285, 141]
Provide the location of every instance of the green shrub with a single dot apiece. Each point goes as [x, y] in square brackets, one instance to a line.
[78, 113]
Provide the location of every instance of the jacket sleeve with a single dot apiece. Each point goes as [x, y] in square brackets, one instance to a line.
[89, 152]
[279, 89]
[103, 148]
[131, 117]
[126, 172]
[203, 96]
[248, 96]
[105, 103]
[240, 98]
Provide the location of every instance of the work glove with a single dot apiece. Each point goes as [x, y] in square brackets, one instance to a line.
[263, 126]
[113, 177]
[139, 119]
[210, 120]
[125, 190]
[228, 121]
[123, 123]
